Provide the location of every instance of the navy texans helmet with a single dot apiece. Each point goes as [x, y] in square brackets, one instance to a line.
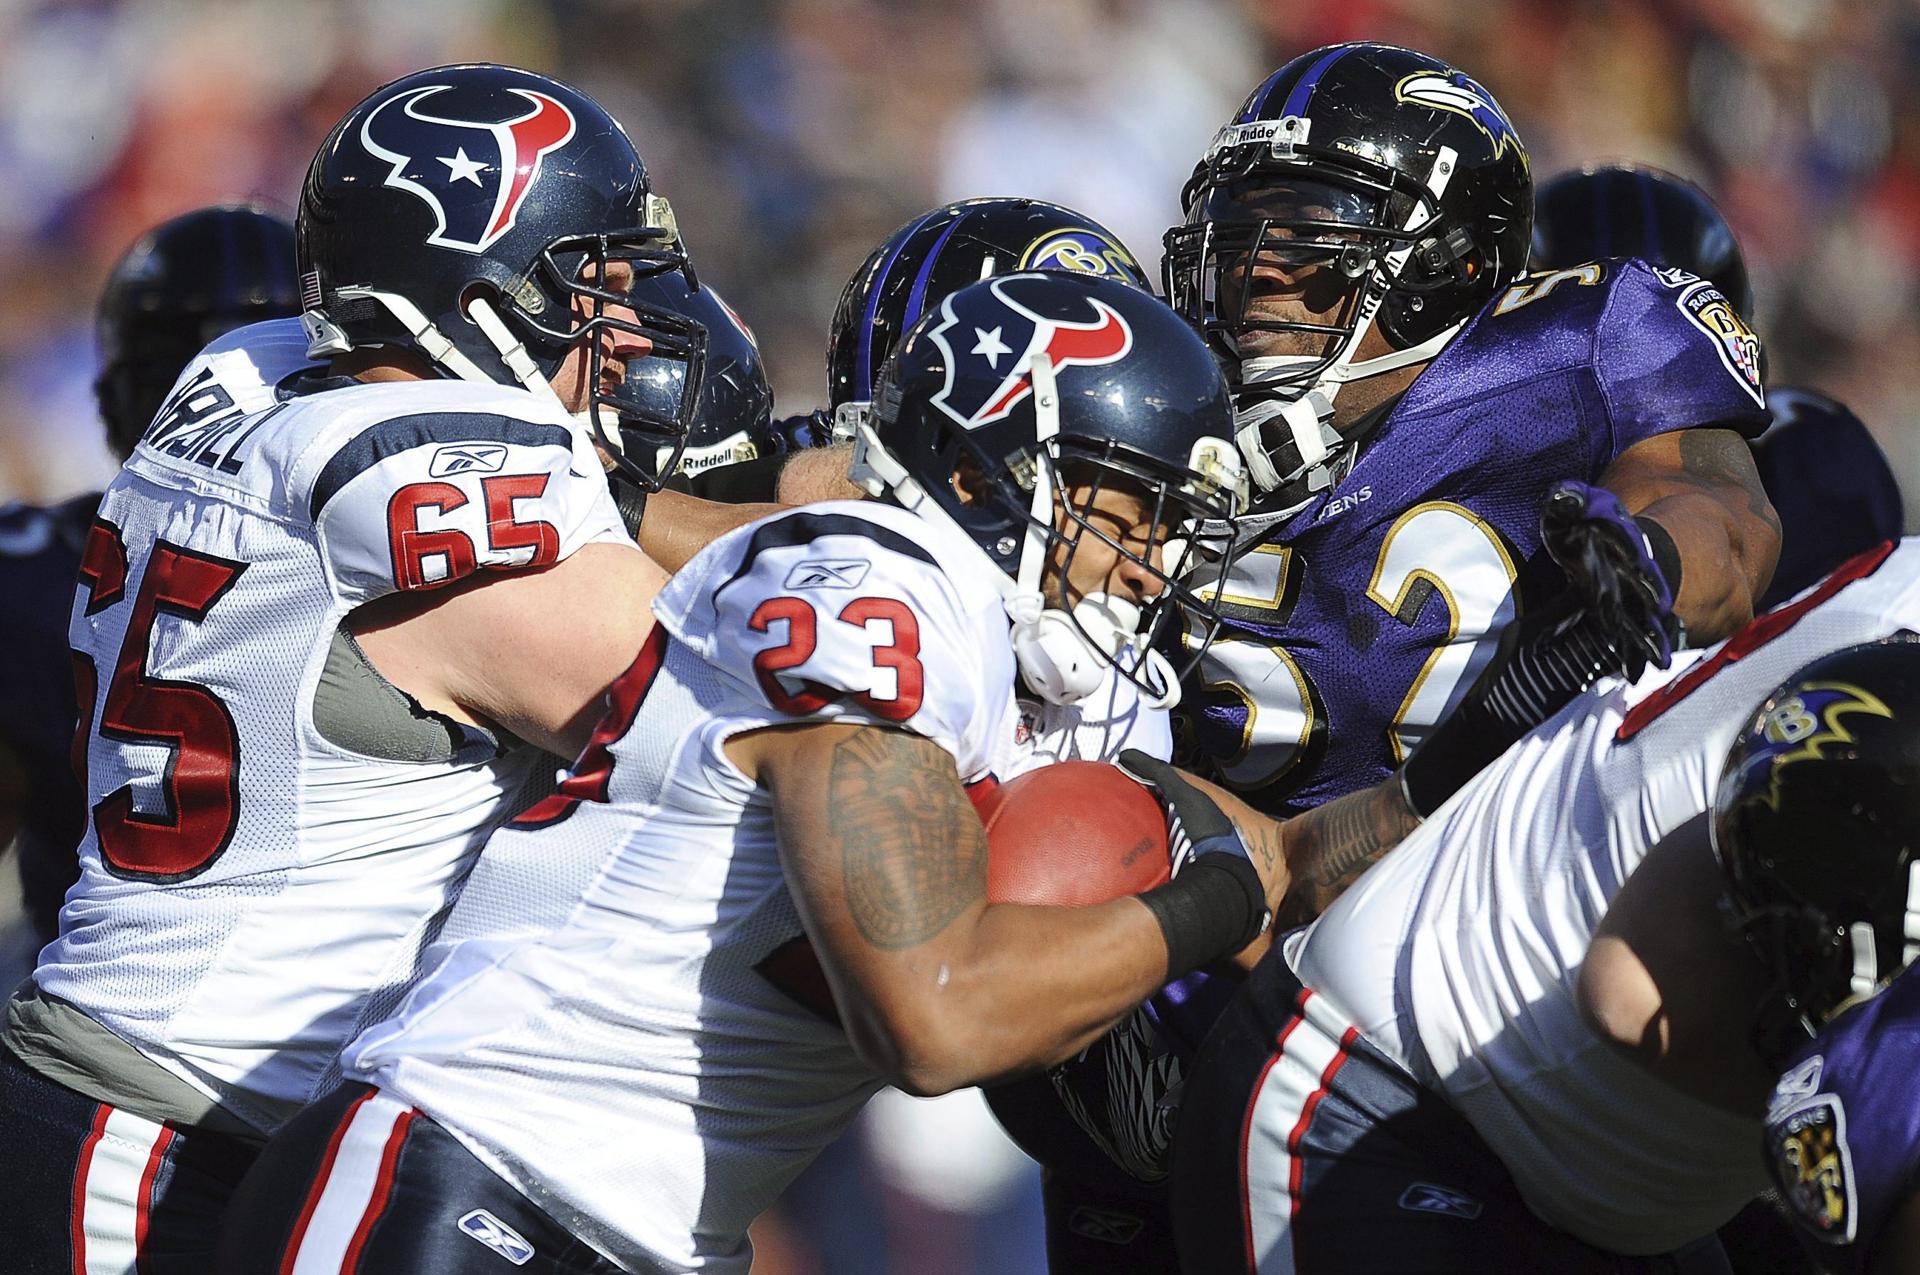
[1817, 826]
[182, 284]
[939, 252]
[470, 214]
[1634, 210]
[1025, 387]
[1362, 185]
[733, 406]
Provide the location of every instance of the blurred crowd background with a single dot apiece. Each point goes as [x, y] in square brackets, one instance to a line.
[792, 135]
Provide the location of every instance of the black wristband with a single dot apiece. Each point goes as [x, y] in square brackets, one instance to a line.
[1211, 910]
[631, 500]
[1666, 554]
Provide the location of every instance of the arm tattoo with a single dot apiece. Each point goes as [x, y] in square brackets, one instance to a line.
[914, 852]
[1329, 846]
[1721, 458]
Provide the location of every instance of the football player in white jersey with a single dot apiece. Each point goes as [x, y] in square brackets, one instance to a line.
[358, 573]
[1427, 1077]
[612, 1077]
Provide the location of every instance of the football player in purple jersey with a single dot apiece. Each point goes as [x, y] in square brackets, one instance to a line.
[1827, 478]
[1479, 490]
[1354, 247]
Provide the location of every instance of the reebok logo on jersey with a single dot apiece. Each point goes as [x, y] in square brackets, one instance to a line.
[1104, 1225]
[1796, 1086]
[497, 1235]
[823, 573]
[1425, 1197]
[467, 458]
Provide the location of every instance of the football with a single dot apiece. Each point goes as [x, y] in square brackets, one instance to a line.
[1072, 834]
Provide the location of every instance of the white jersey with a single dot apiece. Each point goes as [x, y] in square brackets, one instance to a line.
[251, 873]
[606, 1028]
[1459, 952]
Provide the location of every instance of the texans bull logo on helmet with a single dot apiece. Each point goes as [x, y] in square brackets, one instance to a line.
[474, 174]
[1006, 336]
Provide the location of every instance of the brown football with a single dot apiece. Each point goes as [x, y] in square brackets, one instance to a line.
[1073, 834]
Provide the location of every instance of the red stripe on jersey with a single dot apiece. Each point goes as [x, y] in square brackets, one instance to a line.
[1334, 1065]
[592, 775]
[143, 1202]
[382, 1189]
[100, 1114]
[1759, 631]
[1246, 1124]
[319, 1187]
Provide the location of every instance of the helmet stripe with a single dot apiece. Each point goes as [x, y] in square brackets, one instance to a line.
[863, 357]
[1303, 90]
[917, 299]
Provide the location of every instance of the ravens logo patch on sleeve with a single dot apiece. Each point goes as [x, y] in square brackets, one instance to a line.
[1813, 1167]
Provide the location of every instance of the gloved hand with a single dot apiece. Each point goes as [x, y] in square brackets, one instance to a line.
[1195, 823]
[798, 433]
[1619, 587]
[1216, 903]
[1616, 616]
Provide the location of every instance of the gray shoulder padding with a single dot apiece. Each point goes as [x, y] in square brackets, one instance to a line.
[357, 709]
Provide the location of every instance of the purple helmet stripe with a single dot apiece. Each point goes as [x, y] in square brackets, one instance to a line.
[863, 361]
[1303, 90]
[1258, 102]
[917, 299]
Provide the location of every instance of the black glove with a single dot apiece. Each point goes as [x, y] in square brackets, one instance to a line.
[799, 433]
[1216, 903]
[1623, 573]
[1616, 616]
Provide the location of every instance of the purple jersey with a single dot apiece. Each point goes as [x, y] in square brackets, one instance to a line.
[39, 560]
[1360, 618]
[1843, 1126]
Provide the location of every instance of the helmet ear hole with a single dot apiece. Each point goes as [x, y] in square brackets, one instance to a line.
[478, 290]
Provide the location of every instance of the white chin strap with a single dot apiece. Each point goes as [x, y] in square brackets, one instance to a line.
[325, 339]
[1056, 660]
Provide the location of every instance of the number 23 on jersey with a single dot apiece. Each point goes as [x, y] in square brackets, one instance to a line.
[888, 626]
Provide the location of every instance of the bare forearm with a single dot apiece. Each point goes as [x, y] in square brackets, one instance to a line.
[1719, 582]
[820, 474]
[1328, 847]
[1027, 987]
[937, 989]
[677, 525]
[1701, 485]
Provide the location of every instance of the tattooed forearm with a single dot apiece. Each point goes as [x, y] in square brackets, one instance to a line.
[915, 853]
[1330, 846]
[1721, 458]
